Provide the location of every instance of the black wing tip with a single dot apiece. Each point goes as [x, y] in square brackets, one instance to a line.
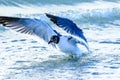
[49, 15]
[4, 20]
[6, 17]
[52, 18]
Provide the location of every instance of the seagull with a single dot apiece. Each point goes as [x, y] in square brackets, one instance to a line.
[67, 44]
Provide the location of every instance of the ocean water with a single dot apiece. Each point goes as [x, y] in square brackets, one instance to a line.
[25, 57]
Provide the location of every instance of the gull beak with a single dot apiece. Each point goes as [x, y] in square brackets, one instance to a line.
[50, 42]
[53, 44]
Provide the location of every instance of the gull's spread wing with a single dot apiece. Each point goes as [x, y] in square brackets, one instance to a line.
[67, 25]
[29, 26]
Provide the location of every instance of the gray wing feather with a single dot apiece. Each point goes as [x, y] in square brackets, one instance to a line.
[28, 26]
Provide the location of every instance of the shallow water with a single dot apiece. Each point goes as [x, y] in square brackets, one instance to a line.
[25, 57]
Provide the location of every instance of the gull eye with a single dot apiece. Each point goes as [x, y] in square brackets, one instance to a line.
[55, 38]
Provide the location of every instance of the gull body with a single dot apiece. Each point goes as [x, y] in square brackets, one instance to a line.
[67, 44]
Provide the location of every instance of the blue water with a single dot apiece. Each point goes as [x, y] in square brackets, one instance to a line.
[25, 57]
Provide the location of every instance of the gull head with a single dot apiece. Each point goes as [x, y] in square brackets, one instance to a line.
[54, 39]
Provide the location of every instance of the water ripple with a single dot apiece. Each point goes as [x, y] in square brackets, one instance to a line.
[109, 42]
